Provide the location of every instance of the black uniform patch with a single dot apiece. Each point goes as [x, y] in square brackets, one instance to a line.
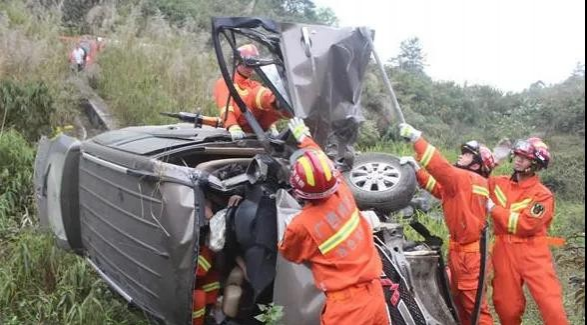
[537, 210]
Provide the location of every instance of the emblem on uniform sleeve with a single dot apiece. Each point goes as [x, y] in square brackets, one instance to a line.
[537, 210]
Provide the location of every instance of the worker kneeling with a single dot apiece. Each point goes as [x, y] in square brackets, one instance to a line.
[330, 235]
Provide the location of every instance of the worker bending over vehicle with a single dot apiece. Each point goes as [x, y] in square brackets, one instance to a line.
[333, 238]
[464, 192]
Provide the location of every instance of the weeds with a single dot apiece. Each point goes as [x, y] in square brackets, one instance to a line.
[40, 283]
[16, 190]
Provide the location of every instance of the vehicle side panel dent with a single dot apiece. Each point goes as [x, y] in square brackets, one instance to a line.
[140, 232]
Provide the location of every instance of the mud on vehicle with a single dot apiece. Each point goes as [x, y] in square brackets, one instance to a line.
[132, 201]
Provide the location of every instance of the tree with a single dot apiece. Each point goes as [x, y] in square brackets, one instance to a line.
[411, 57]
[579, 71]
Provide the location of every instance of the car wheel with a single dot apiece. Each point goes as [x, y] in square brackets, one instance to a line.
[379, 182]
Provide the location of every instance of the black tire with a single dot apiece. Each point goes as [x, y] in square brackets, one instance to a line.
[395, 186]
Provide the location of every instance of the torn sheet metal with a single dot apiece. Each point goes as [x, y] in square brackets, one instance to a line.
[325, 68]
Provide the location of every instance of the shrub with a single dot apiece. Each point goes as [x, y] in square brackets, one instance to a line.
[16, 172]
[41, 284]
[27, 107]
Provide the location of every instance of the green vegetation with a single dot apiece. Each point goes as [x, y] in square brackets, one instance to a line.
[159, 58]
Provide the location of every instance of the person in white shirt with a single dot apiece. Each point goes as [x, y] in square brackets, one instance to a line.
[78, 56]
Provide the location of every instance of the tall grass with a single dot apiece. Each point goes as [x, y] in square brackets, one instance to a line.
[165, 69]
[41, 284]
[31, 53]
[16, 190]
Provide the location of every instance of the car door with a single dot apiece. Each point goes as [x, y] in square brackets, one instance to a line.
[56, 194]
[139, 227]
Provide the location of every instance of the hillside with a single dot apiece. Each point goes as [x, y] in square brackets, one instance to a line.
[159, 58]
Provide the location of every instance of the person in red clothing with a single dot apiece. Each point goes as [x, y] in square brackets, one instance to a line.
[330, 234]
[522, 209]
[463, 190]
[207, 285]
[258, 99]
[207, 280]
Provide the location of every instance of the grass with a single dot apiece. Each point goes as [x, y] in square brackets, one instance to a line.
[148, 66]
[41, 284]
[166, 69]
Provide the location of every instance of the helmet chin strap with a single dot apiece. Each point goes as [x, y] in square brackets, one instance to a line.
[526, 172]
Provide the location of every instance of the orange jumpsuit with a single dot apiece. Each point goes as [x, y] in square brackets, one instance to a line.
[207, 286]
[464, 195]
[259, 100]
[337, 242]
[522, 214]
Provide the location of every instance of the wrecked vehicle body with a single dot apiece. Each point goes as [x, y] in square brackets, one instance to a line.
[132, 201]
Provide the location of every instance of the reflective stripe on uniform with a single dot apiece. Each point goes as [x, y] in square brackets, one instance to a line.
[513, 222]
[211, 286]
[202, 262]
[241, 91]
[519, 206]
[480, 190]
[500, 196]
[225, 109]
[430, 184]
[427, 156]
[259, 97]
[343, 233]
[199, 313]
[307, 166]
[325, 166]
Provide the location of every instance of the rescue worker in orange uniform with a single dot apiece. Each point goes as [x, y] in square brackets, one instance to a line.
[522, 209]
[331, 235]
[258, 99]
[207, 280]
[464, 192]
[207, 286]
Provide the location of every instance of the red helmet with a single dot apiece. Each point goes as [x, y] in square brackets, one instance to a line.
[313, 175]
[482, 155]
[534, 149]
[248, 51]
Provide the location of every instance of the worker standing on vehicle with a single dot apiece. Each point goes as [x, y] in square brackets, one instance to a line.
[464, 192]
[522, 209]
[330, 234]
[258, 99]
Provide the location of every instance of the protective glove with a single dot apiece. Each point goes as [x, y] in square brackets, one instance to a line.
[408, 132]
[410, 161]
[299, 129]
[236, 132]
[273, 132]
[489, 205]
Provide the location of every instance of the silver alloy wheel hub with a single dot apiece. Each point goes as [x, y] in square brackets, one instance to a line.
[375, 176]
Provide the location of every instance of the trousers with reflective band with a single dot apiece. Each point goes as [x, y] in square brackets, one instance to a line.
[464, 196]
[521, 255]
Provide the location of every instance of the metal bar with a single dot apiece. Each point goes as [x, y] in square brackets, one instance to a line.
[110, 282]
[394, 103]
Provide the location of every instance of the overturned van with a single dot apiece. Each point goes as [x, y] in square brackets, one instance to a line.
[133, 201]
